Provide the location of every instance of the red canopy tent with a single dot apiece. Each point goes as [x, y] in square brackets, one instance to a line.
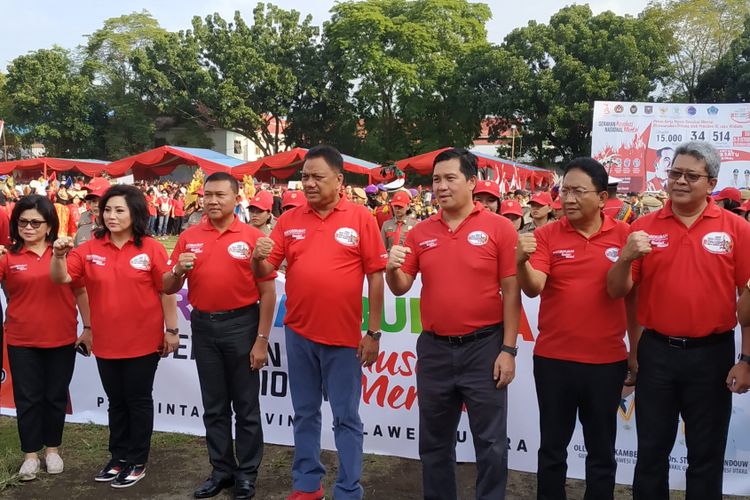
[162, 161]
[514, 174]
[284, 164]
[90, 168]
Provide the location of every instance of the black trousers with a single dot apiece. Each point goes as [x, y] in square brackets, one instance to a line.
[449, 376]
[41, 377]
[129, 383]
[592, 391]
[690, 382]
[222, 356]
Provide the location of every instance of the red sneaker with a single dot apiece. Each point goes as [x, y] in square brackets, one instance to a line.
[307, 495]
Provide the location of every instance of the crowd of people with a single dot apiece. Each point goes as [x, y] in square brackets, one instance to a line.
[662, 270]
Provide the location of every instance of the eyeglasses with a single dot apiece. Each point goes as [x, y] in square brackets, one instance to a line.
[576, 193]
[33, 223]
[691, 177]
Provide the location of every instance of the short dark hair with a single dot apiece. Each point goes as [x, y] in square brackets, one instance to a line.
[223, 176]
[592, 168]
[136, 202]
[468, 162]
[45, 208]
[330, 154]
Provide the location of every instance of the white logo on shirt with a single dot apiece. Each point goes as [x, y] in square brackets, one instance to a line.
[478, 238]
[718, 243]
[239, 250]
[429, 243]
[612, 253]
[296, 234]
[564, 254]
[347, 236]
[194, 247]
[97, 260]
[659, 240]
[17, 268]
[141, 262]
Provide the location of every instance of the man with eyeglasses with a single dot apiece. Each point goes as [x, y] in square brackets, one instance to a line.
[580, 362]
[686, 261]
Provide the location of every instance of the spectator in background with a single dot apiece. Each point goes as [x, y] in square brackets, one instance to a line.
[488, 194]
[512, 210]
[359, 197]
[541, 211]
[178, 212]
[394, 230]
[151, 202]
[164, 205]
[292, 199]
[95, 189]
[260, 212]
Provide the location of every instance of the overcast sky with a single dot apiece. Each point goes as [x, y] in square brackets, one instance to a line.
[27, 25]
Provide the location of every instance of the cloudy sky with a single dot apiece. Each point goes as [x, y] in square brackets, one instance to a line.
[27, 25]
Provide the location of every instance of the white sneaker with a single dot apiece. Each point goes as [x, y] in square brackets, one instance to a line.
[29, 469]
[54, 463]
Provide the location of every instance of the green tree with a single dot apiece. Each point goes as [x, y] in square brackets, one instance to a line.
[703, 32]
[47, 101]
[729, 81]
[403, 61]
[123, 120]
[231, 75]
[559, 69]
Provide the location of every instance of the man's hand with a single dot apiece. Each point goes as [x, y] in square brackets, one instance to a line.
[637, 245]
[396, 257]
[263, 248]
[505, 369]
[632, 369]
[259, 354]
[525, 247]
[62, 246]
[86, 338]
[185, 262]
[170, 344]
[738, 380]
[368, 350]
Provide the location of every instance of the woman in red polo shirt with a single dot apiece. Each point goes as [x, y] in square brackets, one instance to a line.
[41, 347]
[122, 268]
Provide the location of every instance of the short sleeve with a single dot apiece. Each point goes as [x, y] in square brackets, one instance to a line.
[540, 260]
[371, 245]
[506, 248]
[76, 260]
[159, 265]
[278, 254]
[411, 263]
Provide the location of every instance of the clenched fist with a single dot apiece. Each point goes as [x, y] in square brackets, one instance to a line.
[526, 246]
[397, 256]
[185, 262]
[637, 246]
[263, 248]
[62, 246]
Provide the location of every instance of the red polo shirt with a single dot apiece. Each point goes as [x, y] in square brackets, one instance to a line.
[4, 228]
[327, 260]
[461, 270]
[150, 200]
[221, 278]
[40, 313]
[576, 270]
[179, 207]
[688, 283]
[124, 286]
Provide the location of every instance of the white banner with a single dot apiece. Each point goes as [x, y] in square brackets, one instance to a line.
[636, 140]
[389, 405]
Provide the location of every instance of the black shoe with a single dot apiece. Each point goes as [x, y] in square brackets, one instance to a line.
[129, 476]
[212, 487]
[243, 489]
[110, 471]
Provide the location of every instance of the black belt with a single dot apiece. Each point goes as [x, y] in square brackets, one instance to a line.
[690, 342]
[480, 333]
[222, 315]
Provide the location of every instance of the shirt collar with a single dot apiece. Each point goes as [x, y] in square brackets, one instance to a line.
[234, 227]
[26, 250]
[342, 205]
[108, 241]
[607, 224]
[478, 207]
[712, 210]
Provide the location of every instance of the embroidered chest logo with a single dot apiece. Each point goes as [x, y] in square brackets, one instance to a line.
[194, 248]
[97, 260]
[295, 234]
[18, 268]
[478, 238]
[347, 236]
[429, 243]
[141, 262]
[612, 253]
[659, 240]
[718, 242]
[239, 250]
[564, 254]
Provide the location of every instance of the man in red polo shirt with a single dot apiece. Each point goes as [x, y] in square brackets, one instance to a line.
[467, 349]
[687, 261]
[330, 245]
[579, 361]
[230, 321]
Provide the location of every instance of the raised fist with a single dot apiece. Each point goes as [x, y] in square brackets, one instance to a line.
[263, 248]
